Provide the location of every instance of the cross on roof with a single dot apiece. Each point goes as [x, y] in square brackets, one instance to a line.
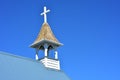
[44, 13]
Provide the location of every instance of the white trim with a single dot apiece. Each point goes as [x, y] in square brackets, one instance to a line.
[46, 50]
[56, 54]
[51, 63]
[36, 56]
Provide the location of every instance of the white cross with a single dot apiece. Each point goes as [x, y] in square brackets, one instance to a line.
[44, 13]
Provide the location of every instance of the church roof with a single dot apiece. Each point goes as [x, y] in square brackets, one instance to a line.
[19, 68]
[46, 35]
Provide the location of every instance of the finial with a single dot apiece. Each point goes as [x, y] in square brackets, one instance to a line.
[44, 13]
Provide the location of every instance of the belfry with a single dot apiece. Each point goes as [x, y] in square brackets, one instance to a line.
[47, 41]
[47, 67]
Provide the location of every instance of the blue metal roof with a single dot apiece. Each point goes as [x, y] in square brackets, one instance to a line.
[19, 68]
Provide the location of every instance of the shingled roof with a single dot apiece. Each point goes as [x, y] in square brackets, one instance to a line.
[14, 67]
[46, 34]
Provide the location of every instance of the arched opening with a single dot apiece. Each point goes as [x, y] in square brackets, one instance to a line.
[41, 54]
[41, 47]
[51, 52]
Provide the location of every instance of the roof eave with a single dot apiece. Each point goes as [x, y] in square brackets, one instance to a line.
[47, 41]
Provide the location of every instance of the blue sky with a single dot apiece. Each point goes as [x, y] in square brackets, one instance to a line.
[89, 30]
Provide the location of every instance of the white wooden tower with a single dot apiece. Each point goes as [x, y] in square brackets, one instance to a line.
[47, 41]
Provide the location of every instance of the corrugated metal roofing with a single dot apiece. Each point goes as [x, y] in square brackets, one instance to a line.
[19, 68]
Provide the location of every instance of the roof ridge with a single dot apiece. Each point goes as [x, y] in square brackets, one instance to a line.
[28, 59]
[17, 56]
